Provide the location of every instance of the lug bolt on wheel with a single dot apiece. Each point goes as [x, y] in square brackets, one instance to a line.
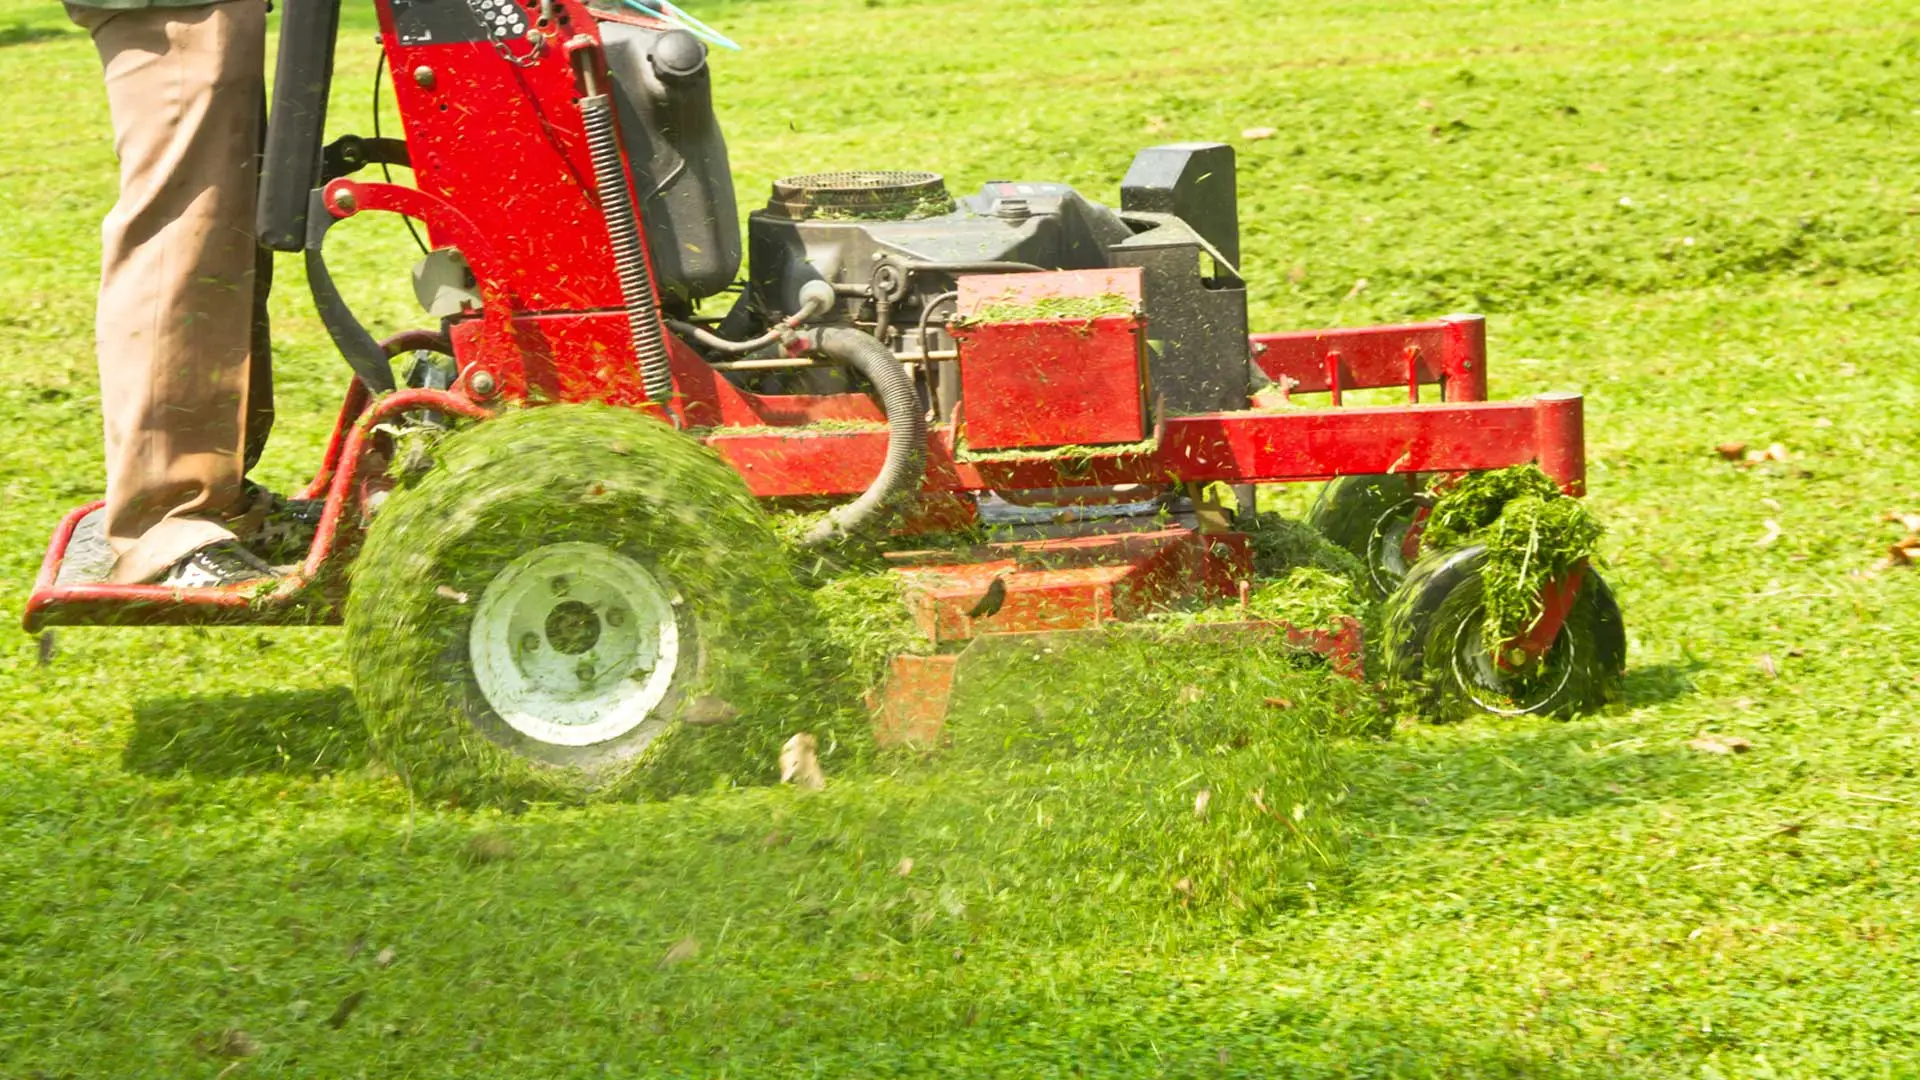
[584, 671]
[559, 585]
[530, 642]
[616, 617]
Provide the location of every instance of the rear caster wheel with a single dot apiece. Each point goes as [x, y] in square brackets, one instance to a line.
[541, 614]
[1371, 516]
[1434, 645]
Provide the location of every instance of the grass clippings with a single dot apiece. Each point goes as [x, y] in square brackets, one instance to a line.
[193, 827]
[1532, 532]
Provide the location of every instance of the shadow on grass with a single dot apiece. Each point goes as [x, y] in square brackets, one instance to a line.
[22, 34]
[1450, 787]
[1656, 684]
[292, 732]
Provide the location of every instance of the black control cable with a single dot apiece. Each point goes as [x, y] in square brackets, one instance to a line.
[379, 76]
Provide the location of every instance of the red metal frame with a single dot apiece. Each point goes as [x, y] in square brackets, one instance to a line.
[501, 170]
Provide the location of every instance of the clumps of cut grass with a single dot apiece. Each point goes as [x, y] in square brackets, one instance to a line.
[1077, 308]
[1165, 768]
[1532, 532]
[1300, 578]
[865, 617]
[1281, 544]
[1307, 596]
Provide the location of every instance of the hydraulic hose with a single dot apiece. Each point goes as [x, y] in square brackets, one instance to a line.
[813, 301]
[906, 463]
[629, 258]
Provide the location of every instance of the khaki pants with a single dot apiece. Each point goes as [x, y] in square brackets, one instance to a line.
[185, 383]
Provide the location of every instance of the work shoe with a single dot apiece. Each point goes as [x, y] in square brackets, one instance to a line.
[221, 563]
[286, 526]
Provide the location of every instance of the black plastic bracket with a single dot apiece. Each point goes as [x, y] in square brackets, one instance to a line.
[363, 354]
[348, 154]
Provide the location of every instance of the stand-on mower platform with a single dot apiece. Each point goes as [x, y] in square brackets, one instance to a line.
[551, 517]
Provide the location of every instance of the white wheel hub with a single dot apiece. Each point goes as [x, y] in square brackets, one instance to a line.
[575, 644]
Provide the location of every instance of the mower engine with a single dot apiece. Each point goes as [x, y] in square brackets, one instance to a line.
[895, 246]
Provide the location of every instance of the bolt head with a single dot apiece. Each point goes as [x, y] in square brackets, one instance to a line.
[616, 617]
[529, 642]
[345, 202]
[423, 75]
[483, 383]
[583, 671]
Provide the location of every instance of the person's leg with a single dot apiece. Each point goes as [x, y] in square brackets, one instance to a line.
[177, 305]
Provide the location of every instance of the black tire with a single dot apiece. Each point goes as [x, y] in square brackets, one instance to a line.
[1369, 516]
[575, 542]
[1431, 646]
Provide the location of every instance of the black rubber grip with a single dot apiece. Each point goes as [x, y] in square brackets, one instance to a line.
[290, 164]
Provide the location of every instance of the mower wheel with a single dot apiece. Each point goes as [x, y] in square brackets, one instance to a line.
[542, 614]
[1369, 516]
[1434, 645]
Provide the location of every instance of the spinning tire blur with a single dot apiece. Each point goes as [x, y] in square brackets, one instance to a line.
[1432, 646]
[1369, 516]
[536, 616]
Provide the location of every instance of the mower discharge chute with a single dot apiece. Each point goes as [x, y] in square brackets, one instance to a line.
[569, 584]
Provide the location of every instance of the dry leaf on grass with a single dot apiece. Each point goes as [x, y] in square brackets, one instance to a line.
[231, 1043]
[1766, 665]
[800, 763]
[1772, 533]
[1201, 799]
[904, 867]
[385, 957]
[1904, 551]
[709, 711]
[681, 951]
[1190, 694]
[1255, 134]
[1731, 451]
[1719, 744]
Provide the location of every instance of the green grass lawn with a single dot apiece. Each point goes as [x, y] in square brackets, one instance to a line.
[1701, 215]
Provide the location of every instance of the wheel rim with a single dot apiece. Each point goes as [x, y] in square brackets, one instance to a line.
[575, 644]
[1388, 566]
[1478, 676]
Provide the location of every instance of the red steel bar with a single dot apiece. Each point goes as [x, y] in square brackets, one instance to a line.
[1450, 351]
[1236, 447]
[150, 604]
[1560, 431]
[1463, 357]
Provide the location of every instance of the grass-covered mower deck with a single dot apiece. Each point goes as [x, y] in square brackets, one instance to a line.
[553, 588]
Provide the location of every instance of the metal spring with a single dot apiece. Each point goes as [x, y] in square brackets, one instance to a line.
[629, 258]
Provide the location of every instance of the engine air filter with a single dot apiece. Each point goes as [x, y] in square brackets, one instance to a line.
[861, 194]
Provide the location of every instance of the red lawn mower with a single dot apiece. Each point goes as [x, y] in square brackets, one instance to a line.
[551, 516]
